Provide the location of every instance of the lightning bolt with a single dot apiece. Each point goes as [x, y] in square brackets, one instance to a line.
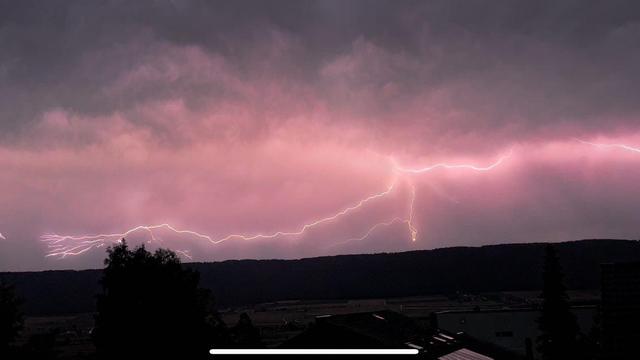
[412, 229]
[413, 232]
[422, 170]
[619, 146]
[370, 231]
[305, 227]
[64, 245]
[185, 253]
[61, 246]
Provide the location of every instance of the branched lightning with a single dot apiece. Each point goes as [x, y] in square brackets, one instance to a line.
[408, 220]
[61, 246]
[305, 227]
[64, 245]
[371, 230]
[413, 232]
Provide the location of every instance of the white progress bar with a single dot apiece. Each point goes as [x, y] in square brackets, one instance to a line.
[313, 351]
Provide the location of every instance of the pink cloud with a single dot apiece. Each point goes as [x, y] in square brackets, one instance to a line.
[191, 138]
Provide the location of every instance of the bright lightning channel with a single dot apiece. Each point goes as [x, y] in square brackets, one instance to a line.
[305, 227]
[413, 232]
[64, 245]
[619, 146]
[61, 246]
[429, 168]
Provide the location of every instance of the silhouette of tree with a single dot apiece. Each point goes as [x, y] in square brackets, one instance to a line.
[558, 326]
[151, 306]
[11, 318]
[245, 335]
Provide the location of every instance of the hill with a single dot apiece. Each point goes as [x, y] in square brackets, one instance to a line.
[439, 271]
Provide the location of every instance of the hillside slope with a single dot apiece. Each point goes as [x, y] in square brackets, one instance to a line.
[439, 271]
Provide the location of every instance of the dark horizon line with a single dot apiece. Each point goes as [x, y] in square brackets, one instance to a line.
[354, 254]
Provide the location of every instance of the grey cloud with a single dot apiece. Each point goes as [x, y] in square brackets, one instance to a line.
[536, 63]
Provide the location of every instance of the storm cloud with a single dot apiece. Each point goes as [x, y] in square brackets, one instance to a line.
[255, 117]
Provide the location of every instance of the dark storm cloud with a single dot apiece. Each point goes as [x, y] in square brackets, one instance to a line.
[507, 61]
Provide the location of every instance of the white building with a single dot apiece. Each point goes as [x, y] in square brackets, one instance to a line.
[513, 329]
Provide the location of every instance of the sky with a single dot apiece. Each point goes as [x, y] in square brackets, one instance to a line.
[288, 129]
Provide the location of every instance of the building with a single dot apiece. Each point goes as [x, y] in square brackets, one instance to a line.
[515, 330]
[390, 330]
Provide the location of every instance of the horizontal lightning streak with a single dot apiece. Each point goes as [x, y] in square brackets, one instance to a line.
[83, 243]
[425, 169]
[65, 245]
[62, 246]
[619, 146]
